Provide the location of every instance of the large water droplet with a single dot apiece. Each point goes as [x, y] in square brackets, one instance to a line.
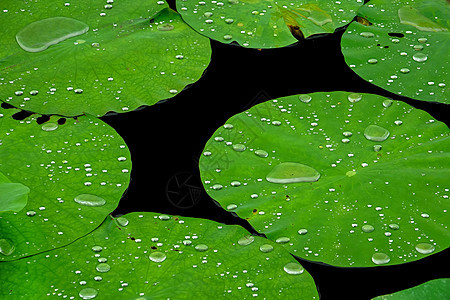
[425, 248]
[367, 228]
[380, 258]
[293, 268]
[305, 98]
[6, 247]
[290, 172]
[49, 126]
[103, 267]
[376, 133]
[246, 240]
[157, 256]
[88, 293]
[40, 35]
[354, 97]
[420, 57]
[89, 200]
[122, 221]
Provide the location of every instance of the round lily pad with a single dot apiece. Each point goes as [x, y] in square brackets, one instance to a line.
[266, 24]
[403, 47]
[160, 257]
[361, 180]
[93, 57]
[74, 175]
[433, 289]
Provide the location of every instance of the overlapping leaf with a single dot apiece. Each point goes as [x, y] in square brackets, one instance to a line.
[434, 289]
[151, 256]
[127, 54]
[263, 23]
[341, 178]
[405, 49]
[76, 174]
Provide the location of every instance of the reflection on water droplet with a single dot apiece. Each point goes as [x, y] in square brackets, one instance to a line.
[376, 133]
[354, 97]
[103, 267]
[165, 27]
[89, 200]
[157, 256]
[367, 228]
[231, 206]
[201, 247]
[266, 248]
[380, 258]
[49, 126]
[246, 240]
[305, 98]
[122, 221]
[6, 247]
[291, 172]
[420, 57]
[425, 248]
[88, 293]
[293, 268]
[239, 147]
[261, 153]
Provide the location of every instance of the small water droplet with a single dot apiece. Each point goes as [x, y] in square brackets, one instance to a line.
[31, 213]
[231, 206]
[293, 268]
[239, 147]
[387, 103]
[217, 187]
[372, 61]
[367, 34]
[377, 148]
[165, 27]
[291, 172]
[122, 221]
[89, 200]
[380, 258]
[78, 91]
[157, 256]
[425, 248]
[261, 153]
[246, 240]
[6, 247]
[420, 57]
[398, 122]
[88, 293]
[282, 240]
[227, 37]
[376, 133]
[266, 248]
[354, 97]
[347, 133]
[97, 248]
[394, 226]
[303, 231]
[305, 98]
[404, 70]
[164, 217]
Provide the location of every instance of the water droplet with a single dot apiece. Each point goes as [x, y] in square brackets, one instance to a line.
[239, 147]
[422, 40]
[394, 226]
[305, 98]
[347, 133]
[217, 186]
[425, 248]
[228, 126]
[88, 293]
[293, 268]
[398, 122]
[49, 126]
[164, 217]
[376, 133]
[187, 242]
[246, 240]
[261, 153]
[367, 228]
[420, 57]
[377, 148]
[201, 247]
[404, 70]
[266, 248]
[231, 206]
[31, 213]
[380, 258]
[345, 141]
[282, 240]
[291, 172]
[6, 247]
[39, 35]
[387, 103]
[103, 267]
[89, 200]
[418, 47]
[97, 248]
[354, 97]
[122, 221]
[229, 21]
[157, 256]
[227, 37]
[78, 91]
[165, 27]
[367, 34]
[372, 61]
[34, 92]
[303, 231]
[350, 173]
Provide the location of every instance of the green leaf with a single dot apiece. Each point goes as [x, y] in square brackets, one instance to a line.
[13, 196]
[405, 50]
[341, 178]
[158, 257]
[76, 174]
[72, 59]
[266, 24]
[434, 289]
